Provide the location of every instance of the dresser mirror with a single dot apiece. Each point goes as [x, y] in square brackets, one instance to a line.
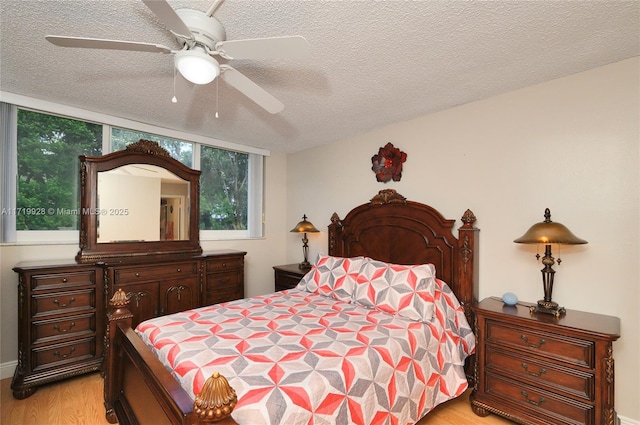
[138, 202]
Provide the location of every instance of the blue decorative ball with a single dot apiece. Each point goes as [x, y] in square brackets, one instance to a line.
[510, 298]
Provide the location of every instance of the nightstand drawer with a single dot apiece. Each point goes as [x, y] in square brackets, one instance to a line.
[288, 276]
[546, 406]
[575, 351]
[287, 281]
[541, 374]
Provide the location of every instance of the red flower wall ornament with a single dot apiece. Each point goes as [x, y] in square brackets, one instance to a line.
[387, 164]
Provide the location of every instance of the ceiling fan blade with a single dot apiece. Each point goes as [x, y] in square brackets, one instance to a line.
[169, 18]
[100, 43]
[294, 47]
[250, 89]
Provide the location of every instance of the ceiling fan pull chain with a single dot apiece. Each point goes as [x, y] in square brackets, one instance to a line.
[217, 83]
[174, 99]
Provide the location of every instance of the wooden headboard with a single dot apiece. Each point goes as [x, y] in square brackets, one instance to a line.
[391, 229]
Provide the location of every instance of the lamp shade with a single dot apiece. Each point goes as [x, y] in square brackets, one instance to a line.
[304, 226]
[548, 232]
[197, 66]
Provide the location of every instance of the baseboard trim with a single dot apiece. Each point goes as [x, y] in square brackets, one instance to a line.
[7, 369]
[627, 421]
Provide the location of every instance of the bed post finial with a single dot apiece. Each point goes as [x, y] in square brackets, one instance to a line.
[335, 229]
[468, 219]
[216, 400]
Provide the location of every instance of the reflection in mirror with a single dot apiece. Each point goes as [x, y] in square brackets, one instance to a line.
[141, 203]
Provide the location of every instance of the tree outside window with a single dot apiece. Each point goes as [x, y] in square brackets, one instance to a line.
[223, 189]
[178, 149]
[48, 169]
[48, 189]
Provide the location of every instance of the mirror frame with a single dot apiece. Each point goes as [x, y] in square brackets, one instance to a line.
[141, 152]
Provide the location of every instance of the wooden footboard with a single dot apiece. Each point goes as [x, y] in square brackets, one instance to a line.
[138, 389]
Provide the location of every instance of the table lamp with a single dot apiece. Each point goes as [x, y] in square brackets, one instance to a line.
[547, 232]
[304, 227]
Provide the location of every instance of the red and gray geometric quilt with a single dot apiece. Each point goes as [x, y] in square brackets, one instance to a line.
[296, 357]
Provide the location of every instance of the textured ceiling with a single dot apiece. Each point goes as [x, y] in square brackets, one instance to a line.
[373, 62]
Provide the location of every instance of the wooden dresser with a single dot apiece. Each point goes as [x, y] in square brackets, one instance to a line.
[223, 277]
[62, 306]
[60, 323]
[533, 368]
[288, 276]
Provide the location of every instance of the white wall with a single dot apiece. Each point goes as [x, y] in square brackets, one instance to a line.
[570, 145]
[262, 255]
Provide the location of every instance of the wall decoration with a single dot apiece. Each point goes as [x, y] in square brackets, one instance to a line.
[387, 164]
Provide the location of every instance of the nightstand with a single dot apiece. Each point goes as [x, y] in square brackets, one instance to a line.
[534, 368]
[288, 276]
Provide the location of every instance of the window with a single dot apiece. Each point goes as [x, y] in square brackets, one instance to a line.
[47, 186]
[178, 149]
[47, 189]
[223, 189]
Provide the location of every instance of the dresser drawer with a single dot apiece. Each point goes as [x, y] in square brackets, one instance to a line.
[223, 264]
[58, 354]
[126, 275]
[572, 350]
[53, 303]
[46, 331]
[544, 405]
[549, 375]
[223, 281]
[221, 296]
[62, 280]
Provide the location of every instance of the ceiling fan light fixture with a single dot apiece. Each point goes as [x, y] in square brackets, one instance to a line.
[197, 66]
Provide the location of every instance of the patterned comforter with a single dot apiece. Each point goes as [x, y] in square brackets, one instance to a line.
[296, 357]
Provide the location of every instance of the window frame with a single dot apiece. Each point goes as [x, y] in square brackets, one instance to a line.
[8, 233]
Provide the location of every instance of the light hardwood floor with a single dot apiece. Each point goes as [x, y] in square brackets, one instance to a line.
[78, 401]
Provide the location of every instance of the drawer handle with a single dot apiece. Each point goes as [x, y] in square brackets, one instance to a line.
[57, 328]
[138, 296]
[64, 280]
[59, 304]
[532, 345]
[137, 274]
[530, 401]
[541, 372]
[179, 270]
[64, 356]
[178, 290]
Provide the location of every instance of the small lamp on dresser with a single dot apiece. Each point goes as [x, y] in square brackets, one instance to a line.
[547, 233]
[305, 227]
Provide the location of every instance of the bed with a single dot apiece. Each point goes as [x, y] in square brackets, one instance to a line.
[313, 354]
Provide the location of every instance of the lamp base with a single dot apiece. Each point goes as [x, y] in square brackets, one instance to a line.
[547, 307]
[305, 265]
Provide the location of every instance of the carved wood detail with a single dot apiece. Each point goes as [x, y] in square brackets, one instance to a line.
[149, 147]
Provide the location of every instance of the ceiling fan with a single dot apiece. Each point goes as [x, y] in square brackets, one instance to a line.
[201, 38]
